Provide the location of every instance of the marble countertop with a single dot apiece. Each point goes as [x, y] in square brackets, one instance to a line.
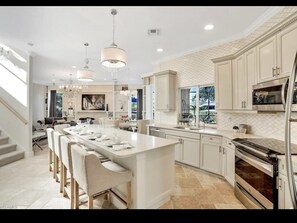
[140, 143]
[211, 131]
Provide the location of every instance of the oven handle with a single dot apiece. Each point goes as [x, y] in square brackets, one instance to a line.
[263, 166]
[283, 93]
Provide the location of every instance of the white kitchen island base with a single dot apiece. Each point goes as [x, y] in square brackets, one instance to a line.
[151, 160]
[153, 178]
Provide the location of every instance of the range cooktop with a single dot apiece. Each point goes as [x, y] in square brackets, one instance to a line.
[266, 145]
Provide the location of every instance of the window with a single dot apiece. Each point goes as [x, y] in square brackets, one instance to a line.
[206, 104]
[59, 104]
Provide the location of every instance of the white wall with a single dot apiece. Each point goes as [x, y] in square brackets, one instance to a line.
[38, 103]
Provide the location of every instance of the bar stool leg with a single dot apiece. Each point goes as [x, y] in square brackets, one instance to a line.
[91, 202]
[129, 195]
[72, 192]
[50, 157]
[76, 188]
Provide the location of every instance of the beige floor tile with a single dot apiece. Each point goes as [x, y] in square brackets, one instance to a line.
[28, 184]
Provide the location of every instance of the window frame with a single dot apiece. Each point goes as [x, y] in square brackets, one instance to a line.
[197, 103]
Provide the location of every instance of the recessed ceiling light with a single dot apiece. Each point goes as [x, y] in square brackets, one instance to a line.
[73, 66]
[208, 27]
[159, 50]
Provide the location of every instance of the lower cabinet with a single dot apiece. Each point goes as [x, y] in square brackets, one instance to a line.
[229, 164]
[284, 198]
[211, 154]
[187, 151]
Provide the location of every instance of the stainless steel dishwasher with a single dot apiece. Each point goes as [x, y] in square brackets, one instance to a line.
[154, 131]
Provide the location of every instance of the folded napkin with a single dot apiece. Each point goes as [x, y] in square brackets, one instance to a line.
[121, 147]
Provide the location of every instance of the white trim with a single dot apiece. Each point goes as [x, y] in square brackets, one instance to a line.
[262, 19]
[159, 200]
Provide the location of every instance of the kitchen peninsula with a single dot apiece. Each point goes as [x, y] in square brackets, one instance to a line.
[151, 159]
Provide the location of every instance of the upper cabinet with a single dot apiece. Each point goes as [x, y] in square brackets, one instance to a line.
[223, 85]
[287, 47]
[165, 90]
[266, 52]
[276, 54]
[244, 76]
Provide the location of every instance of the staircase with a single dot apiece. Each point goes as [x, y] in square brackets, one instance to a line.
[8, 151]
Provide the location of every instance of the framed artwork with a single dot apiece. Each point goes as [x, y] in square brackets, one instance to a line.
[93, 102]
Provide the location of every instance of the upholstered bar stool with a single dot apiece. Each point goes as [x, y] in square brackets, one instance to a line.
[97, 178]
[50, 144]
[57, 159]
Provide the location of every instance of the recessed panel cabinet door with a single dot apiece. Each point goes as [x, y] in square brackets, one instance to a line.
[229, 164]
[284, 198]
[287, 46]
[191, 149]
[162, 96]
[267, 59]
[178, 147]
[223, 85]
[211, 158]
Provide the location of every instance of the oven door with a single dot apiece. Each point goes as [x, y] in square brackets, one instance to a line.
[256, 177]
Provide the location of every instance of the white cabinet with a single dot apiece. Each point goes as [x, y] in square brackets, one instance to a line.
[187, 151]
[165, 90]
[244, 76]
[276, 54]
[223, 85]
[211, 154]
[266, 53]
[178, 147]
[284, 197]
[228, 160]
[287, 46]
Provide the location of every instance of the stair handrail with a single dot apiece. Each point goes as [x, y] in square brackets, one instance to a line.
[16, 113]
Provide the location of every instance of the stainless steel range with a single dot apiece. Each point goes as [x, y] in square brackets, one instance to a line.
[256, 171]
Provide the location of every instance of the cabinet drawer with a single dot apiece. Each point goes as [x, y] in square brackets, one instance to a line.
[227, 143]
[212, 139]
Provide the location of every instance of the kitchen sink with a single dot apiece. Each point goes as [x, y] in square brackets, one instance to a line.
[179, 127]
[187, 127]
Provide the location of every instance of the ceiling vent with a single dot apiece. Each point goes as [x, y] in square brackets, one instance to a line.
[153, 32]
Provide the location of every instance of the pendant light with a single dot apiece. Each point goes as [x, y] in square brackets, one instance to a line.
[85, 74]
[113, 56]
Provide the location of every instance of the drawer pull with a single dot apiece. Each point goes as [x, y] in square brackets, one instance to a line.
[230, 143]
[210, 138]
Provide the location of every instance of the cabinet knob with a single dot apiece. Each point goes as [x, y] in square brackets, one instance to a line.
[277, 70]
[230, 144]
[220, 149]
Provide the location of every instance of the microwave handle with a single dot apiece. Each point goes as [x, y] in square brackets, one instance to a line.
[283, 93]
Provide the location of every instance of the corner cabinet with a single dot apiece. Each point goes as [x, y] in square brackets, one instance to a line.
[188, 149]
[223, 85]
[165, 90]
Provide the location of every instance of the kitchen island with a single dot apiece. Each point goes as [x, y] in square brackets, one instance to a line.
[151, 159]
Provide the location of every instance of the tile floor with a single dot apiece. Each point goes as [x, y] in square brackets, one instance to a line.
[28, 184]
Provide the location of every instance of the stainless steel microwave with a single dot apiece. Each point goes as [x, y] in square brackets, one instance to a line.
[271, 95]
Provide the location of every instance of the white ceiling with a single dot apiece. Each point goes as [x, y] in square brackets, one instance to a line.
[59, 34]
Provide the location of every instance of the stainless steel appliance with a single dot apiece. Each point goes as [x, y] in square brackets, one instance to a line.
[291, 97]
[256, 171]
[271, 95]
[154, 131]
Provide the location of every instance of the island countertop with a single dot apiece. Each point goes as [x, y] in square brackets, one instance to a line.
[140, 143]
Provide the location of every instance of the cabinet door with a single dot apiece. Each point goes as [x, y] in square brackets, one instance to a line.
[284, 198]
[287, 46]
[223, 85]
[239, 83]
[161, 93]
[229, 164]
[251, 74]
[190, 152]
[211, 158]
[178, 147]
[267, 59]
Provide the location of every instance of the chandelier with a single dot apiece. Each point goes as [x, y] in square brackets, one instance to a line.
[70, 89]
[113, 57]
[85, 74]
